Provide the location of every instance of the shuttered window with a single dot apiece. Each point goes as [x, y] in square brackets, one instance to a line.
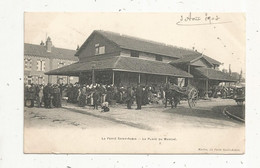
[27, 63]
[40, 65]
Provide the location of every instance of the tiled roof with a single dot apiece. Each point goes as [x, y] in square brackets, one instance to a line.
[133, 43]
[40, 50]
[212, 74]
[211, 60]
[138, 44]
[187, 58]
[128, 64]
[193, 57]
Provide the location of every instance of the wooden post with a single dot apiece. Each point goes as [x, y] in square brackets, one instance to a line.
[93, 76]
[166, 79]
[189, 73]
[49, 79]
[207, 88]
[68, 79]
[139, 78]
[113, 77]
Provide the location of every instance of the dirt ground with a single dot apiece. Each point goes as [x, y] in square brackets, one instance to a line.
[72, 124]
[207, 114]
[238, 111]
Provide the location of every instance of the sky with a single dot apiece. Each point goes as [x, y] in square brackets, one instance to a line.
[221, 36]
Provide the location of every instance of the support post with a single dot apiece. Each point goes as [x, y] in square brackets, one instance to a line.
[139, 78]
[207, 89]
[113, 77]
[93, 76]
[68, 79]
[189, 73]
[49, 79]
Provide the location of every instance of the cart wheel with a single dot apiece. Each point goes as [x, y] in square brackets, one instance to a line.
[193, 97]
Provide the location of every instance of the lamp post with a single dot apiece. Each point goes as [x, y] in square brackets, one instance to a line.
[93, 73]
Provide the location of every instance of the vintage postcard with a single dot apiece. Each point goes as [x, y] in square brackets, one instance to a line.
[136, 83]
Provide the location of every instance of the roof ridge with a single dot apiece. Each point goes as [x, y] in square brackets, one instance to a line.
[52, 46]
[145, 40]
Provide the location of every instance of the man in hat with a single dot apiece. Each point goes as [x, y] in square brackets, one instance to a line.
[129, 97]
[139, 93]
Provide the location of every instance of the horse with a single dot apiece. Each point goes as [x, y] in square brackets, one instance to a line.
[173, 97]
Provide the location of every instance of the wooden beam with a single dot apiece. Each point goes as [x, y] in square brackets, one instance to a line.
[207, 88]
[68, 79]
[113, 77]
[49, 79]
[189, 73]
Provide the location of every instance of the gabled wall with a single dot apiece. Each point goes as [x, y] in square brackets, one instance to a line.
[95, 38]
[201, 63]
[146, 56]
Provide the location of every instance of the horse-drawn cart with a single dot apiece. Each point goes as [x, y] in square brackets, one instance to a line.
[174, 93]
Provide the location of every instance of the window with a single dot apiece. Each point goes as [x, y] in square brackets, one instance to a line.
[158, 58]
[27, 63]
[102, 50]
[40, 80]
[99, 49]
[61, 64]
[40, 65]
[29, 80]
[134, 54]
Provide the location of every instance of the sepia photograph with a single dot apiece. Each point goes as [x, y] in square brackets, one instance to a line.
[134, 83]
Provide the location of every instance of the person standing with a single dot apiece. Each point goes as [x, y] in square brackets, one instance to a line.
[45, 96]
[96, 98]
[145, 96]
[39, 96]
[56, 96]
[129, 98]
[139, 93]
[82, 97]
[32, 95]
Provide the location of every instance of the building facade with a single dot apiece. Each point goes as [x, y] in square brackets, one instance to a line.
[42, 58]
[112, 58]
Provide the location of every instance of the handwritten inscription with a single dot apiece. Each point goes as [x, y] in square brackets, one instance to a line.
[196, 19]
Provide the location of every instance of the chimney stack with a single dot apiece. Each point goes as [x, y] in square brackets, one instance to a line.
[48, 44]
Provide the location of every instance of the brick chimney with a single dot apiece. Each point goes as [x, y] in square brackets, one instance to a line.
[48, 44]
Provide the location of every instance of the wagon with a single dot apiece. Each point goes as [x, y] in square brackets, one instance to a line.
[174, 93]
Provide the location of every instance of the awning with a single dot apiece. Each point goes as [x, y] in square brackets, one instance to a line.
[119, 63]
[212, 74]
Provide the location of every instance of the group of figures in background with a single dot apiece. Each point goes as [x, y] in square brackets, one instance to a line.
[51, 95]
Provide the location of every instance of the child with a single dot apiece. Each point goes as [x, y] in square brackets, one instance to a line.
[104, 107]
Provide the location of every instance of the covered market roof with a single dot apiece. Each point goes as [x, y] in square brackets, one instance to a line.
[116, 63]
[58, 53]
[212, 74]
[194, 57]
[148, 46]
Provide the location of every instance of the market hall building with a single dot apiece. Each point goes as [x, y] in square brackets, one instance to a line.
[112, 58]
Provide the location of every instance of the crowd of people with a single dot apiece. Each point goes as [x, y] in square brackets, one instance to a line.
[51, 95]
